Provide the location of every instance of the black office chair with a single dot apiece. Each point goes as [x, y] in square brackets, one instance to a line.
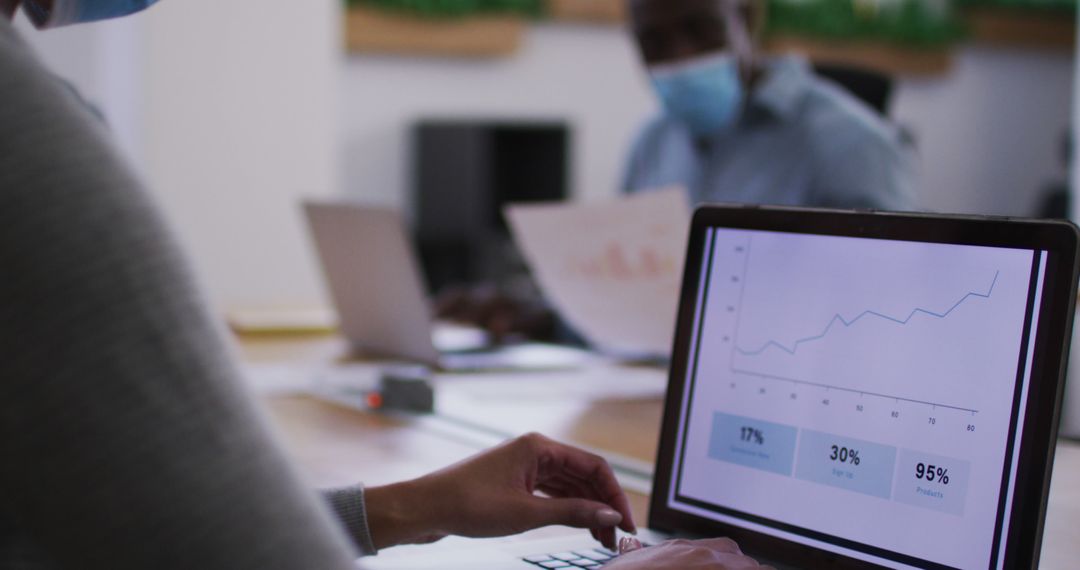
[872, 87]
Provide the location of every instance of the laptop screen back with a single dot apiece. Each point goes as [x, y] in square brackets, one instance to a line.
[858, 395]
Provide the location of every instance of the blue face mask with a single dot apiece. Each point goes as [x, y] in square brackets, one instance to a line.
[65, 12]
[705, 94]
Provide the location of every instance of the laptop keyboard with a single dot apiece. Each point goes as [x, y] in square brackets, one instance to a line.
[594, 558]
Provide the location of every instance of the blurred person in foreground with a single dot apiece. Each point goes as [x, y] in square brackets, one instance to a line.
[738, 126]
[127, 439]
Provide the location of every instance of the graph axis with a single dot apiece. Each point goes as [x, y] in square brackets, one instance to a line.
[854, 391]
[742, 292]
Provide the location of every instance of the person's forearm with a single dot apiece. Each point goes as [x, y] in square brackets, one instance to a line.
[380, 517]
[349, 505]
[394, 515]
[524, 483]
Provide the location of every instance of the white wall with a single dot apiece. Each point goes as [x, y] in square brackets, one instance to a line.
[229, 112]
[234, 110]
[1070, 413]
[588, 76]
[989, 133]
[1074, 185]
[240, 109]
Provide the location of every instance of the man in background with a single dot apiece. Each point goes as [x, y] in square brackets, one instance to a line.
[735, 126]
[740, 127]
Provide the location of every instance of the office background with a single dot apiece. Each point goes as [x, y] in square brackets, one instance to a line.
[234, 111]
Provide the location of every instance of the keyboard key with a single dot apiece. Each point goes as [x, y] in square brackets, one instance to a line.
[594, 556]
[589, 559]
[603, 554]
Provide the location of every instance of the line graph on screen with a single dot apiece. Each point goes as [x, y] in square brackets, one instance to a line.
[859, 324]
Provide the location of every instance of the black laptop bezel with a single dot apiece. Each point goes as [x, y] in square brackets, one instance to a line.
[1051, 347]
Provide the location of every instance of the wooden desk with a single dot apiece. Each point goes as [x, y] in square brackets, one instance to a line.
[336, 445]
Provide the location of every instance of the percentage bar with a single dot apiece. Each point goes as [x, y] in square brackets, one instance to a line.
[932, 473]
[752, 435]
[844, 455]
[753, 443]
[932, 481]
[846, 463]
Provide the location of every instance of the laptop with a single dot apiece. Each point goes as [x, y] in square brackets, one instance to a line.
[854, 390]
[377, 288]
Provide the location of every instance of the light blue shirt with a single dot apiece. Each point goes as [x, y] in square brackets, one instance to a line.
[801, 141]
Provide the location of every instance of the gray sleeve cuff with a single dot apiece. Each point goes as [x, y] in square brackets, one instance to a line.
[348, 505]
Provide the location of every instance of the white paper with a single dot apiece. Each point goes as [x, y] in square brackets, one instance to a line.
[596, 383]
[613, 269]
[283, 379]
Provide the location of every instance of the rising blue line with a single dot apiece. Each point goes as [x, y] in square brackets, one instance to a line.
[838, 318]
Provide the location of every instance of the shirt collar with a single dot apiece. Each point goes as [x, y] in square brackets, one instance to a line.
[786, 81]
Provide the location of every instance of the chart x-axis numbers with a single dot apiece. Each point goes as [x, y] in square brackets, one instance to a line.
[892, 397]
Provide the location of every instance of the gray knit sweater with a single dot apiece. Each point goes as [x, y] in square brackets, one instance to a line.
[125, 439]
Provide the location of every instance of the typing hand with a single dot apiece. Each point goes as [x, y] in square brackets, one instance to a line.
[494, 493]
[708, 554]
[500, 315]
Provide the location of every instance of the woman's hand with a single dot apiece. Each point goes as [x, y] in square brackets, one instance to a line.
[494, 493]
[708, 554]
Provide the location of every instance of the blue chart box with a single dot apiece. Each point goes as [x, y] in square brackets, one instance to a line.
[753, 443]
[932, 481]
[852, 464]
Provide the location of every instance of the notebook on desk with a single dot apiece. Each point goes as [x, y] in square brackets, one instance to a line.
[853, 390]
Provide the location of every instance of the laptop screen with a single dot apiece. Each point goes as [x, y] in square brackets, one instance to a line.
[858, 395]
